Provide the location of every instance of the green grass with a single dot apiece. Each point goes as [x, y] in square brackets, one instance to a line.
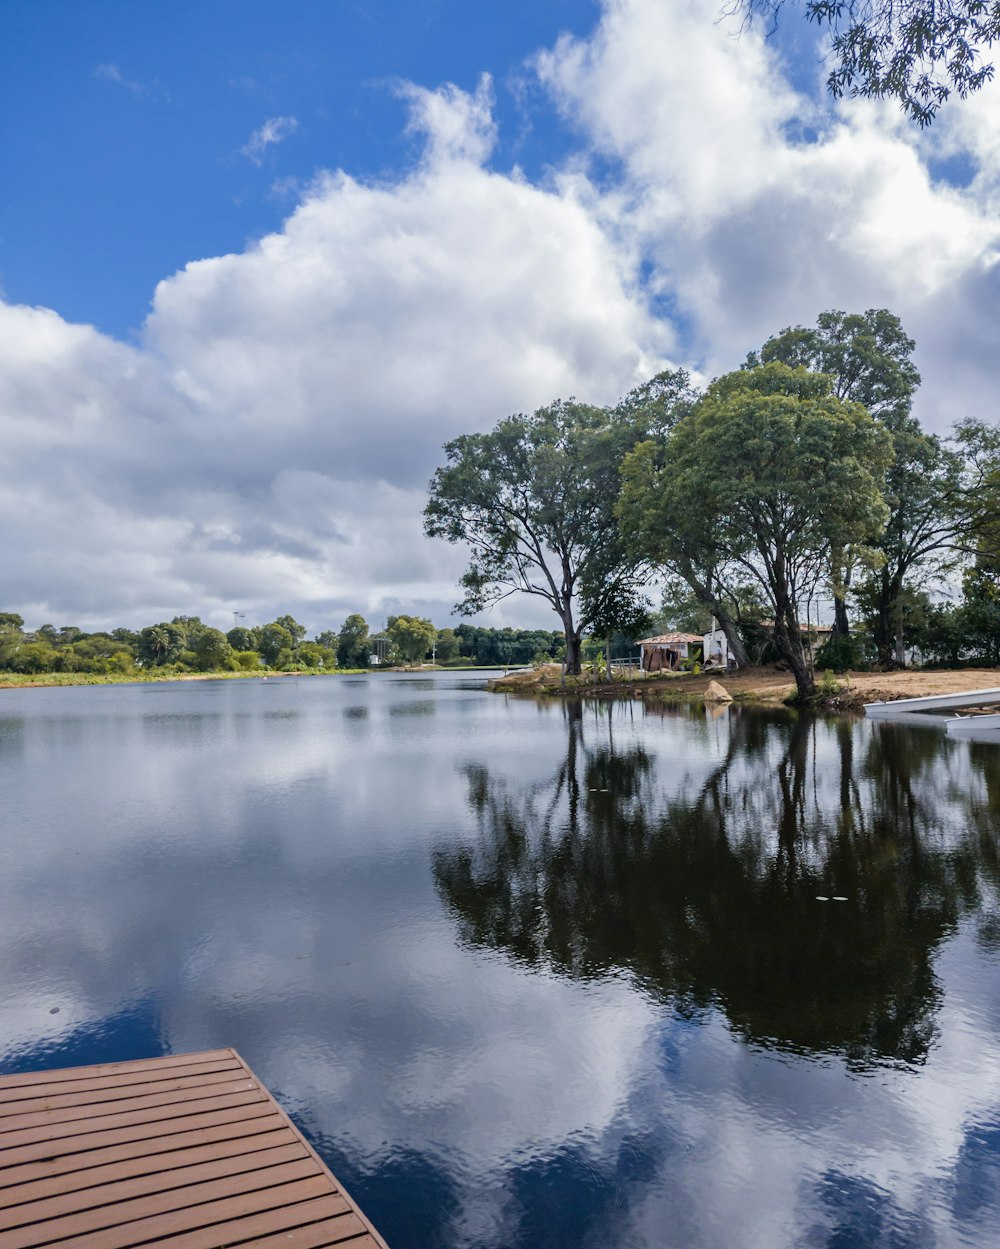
[21, 680]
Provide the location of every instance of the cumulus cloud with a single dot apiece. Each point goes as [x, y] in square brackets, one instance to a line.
[277, 425]
[274, 130]
[759, 207]
[267, 441]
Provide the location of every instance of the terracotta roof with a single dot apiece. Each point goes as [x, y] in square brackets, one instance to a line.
[666, 639]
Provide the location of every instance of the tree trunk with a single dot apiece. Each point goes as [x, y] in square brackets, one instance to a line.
[728, 626]
[726, 623]
[841, 582]
[890, 589]
[788, 641]
[841, 624]
[572, 651]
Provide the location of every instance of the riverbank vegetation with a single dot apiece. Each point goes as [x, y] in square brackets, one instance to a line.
[185, 646]
[801, 478]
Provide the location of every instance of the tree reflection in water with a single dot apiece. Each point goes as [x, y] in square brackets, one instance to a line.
[702, 885]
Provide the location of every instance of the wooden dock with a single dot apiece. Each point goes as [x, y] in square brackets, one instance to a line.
[189, 1152]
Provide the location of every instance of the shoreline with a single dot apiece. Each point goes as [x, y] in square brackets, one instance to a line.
[759, 686]
[55, 680]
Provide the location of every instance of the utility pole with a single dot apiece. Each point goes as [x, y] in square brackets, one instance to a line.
[237, 617]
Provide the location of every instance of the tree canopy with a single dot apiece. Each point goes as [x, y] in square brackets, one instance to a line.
[534, 499]
[918, 52]
[411, 636]
[770, 471]
[868, 357]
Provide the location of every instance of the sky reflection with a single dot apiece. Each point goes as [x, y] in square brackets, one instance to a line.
[513, 1009]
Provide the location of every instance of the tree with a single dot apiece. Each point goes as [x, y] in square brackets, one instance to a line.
[213, 650]
[412, 636]
[779, 472]
[352, 643]
[922, 490]
[915, 51]
[534, 499]
[33, 657]
[978, 443]
[447, 646]
[296, 630]
[867, 357]
[162, 643]
[242, 639]
[274, 638]
[315, 655]
[11, 636]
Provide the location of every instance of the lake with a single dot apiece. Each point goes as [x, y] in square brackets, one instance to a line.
[531, 976]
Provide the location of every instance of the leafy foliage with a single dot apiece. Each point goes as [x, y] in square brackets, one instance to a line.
[768, 473]
[411, 636]
[918, 52]
[534, 499]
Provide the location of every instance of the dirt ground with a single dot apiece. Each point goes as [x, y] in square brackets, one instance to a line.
[767, 685]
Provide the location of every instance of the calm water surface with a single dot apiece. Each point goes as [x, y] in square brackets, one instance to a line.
[531, 977]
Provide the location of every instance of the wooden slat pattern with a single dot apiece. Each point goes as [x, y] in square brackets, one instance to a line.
[189, 1152]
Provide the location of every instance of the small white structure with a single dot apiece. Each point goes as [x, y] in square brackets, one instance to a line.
[666, 652]
[985, 727]
[715, 648]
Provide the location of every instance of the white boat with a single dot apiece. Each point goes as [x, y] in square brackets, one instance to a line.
[986, 727]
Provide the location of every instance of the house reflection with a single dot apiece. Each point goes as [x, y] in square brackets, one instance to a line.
[708, 894]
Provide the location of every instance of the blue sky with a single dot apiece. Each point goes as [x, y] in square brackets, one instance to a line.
[259, 261]
[122, 124]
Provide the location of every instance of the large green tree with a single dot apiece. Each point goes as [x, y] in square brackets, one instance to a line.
[411, 636]
[274, 638]
[352, 643]
[161, 643]
[534, 500]
[776, 472]
[213, 650]
[868, 359]
[918, 52]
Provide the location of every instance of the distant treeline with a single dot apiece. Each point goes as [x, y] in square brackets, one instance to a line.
[187, 644]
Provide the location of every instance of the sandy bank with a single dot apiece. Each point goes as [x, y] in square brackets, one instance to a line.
[761, 685]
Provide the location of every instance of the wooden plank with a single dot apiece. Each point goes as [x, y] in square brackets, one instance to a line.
[346, 1227]
[190, 1152]
[191, 1204]
[139, 1132]
[281, 1201]
[142, 1101]
[138, 1065]
[123, 1085]
[59, 1131]
[120, 1189]
[118, 1164]
[240, 1229]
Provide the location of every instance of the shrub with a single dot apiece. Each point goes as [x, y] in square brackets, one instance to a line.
[839, 654]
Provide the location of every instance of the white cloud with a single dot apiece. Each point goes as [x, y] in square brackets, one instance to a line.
[275, 130]
[751, 227]
[277, 426]
[112, 73]
[267, 442]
